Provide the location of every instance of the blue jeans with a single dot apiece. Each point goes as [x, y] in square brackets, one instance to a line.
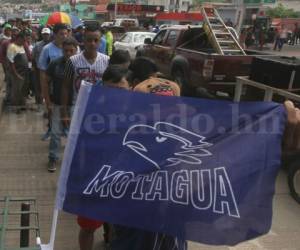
[56, 133]
[279, 42]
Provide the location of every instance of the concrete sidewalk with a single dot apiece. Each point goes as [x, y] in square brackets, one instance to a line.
[23, 163]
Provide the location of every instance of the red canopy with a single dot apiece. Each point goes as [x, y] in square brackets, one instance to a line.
[101, 8]
[179, 16]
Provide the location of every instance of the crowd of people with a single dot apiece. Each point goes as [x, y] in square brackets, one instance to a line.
[49, 64]
[26, 55]
[294, 36]
[259, 35]
[283, 35]
[25, 42]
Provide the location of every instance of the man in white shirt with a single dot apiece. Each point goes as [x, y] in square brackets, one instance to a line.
[283, 34]
[89, 65]
[18, 68]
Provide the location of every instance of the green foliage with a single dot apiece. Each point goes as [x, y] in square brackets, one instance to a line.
[280, 12]
[199, 2]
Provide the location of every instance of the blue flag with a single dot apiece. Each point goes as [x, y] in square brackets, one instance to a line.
[201, 170]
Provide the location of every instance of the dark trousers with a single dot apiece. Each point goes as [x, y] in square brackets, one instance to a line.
[37, 87]
[294, 39]
[17, 90]
[279, 43]
[7, 80]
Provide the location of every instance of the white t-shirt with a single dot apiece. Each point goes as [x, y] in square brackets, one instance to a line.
[78, 69]
[283, 33]
[13, 50]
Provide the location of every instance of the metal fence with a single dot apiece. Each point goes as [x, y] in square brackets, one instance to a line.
[269, 91]
[19, 224]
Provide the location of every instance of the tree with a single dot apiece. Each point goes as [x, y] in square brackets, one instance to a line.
[280, 12]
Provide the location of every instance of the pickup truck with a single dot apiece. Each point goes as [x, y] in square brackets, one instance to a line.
[185, 54]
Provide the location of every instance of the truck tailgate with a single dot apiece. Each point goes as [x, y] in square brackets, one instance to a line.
[226, 68]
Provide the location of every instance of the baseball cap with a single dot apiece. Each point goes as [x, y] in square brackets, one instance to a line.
[7, 26]
[15, 28]
[27, 32]
[46, 31]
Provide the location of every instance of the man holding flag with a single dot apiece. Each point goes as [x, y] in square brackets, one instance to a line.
[200, 193]
[169, 177]
[174, 165]
[175, 174]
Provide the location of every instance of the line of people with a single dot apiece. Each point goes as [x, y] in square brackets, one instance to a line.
[16, 46]
[59, 66]
[283, 35]
[27, 64]
[66, 74]
[21, 45]
[259, 36]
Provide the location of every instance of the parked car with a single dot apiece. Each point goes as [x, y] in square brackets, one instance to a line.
[107, 24]
[126, 22]
[131, 41]
[92, 22]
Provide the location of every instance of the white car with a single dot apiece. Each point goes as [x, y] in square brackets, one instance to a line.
[107, 24]
[130, 41]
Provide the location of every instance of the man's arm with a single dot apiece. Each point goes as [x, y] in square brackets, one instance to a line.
[67, 84]
[44, 78]
[14, 71]
[291, 139]
[34, 62]
[65, 90]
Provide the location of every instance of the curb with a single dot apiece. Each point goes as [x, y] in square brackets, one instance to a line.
[1, 105]
[2, 97]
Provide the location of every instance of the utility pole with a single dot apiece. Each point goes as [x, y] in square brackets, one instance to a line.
[116, 8]
[240, 14]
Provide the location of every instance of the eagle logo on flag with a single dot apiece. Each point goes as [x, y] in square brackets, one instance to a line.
[174, 144]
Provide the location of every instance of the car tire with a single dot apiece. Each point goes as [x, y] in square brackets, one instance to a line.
[294, 180]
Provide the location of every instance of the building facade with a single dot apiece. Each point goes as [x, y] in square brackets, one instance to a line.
[83, 11]
[170, 5]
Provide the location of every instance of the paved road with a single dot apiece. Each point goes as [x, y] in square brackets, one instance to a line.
[287, 50]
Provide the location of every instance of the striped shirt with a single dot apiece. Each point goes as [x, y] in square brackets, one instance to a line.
[78, 68]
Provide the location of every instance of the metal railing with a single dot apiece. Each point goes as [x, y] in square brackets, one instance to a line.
[269, 91]
[12, 212]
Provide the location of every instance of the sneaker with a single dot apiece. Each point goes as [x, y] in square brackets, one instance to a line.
[46, 136]
[52, 166]
[65, 132]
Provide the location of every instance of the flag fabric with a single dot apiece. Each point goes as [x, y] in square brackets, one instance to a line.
[201, 170]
